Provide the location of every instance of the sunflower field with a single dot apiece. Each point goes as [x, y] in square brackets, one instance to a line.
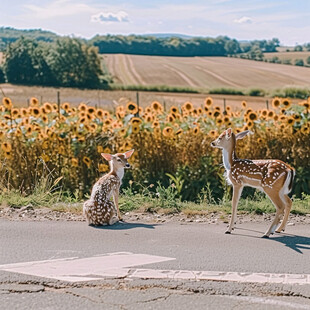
[171, 146]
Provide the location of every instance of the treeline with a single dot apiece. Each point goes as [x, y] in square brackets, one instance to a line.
[150, 45]
[67, 62]
[174, 46]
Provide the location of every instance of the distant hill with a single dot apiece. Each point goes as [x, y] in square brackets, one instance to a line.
[169, 35]
[9, 35]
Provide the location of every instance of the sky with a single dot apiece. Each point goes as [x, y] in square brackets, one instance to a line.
[287, 20]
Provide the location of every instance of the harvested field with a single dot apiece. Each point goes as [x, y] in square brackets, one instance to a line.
[289, 55]
[20, 96]
[204, 72]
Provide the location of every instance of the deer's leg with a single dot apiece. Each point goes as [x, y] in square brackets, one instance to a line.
[288, 206]
[237, 190]
[115, 199]
[278, 203]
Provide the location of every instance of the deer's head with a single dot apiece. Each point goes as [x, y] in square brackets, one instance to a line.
[119, 160]
[227, 139]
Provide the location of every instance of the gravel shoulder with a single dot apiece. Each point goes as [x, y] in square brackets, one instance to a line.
[29, 213]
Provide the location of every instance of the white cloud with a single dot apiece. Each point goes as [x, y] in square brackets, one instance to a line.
[109, 17]
[243, 20]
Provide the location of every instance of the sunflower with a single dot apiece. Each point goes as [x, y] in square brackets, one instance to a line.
[136, 121]
[149, 118]
[286, 103]
[135, 128]
[15, 113]
[65, 106]
[7, 103]
[6, 146]
[91, 110]
[264, 112]
[290, 121]
[271, 114]
[156, 131]
[187, 106]
[259, 140]
[213, 133]
[276, 117]
[35, 111]
[170, 118]
[74, 162]
[252, 116]
[179, 132]
[34, 102]
[45, 145]
[196, 130]
[132, 107]
[156, 106]
[276, 102]
[219, 121]
[100, 149]
[305, 130]
[55, 107]
[82, 107]
[48, 107]
[168, 131]
[122, 132]
[99, 113]
[244, 104]
[45, 119]
[87, 161]
[108, 122]
[226, 119]
[174, 109]
[93, 127]
[208, 102]
[8, 155]
[155, 124]
[103, 167]
[250, 124]
[216, 114]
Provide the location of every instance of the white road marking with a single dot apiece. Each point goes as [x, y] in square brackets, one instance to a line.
[119, 265]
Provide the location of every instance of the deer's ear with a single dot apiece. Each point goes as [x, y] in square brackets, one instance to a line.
[228, 133]
[107, 157]
[128, 153]
[242, 134]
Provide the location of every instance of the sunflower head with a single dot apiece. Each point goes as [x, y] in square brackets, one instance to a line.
[208, 102]
[87, 161]
[286, 103]
[168, 132]
[132, 107]
[156, 106]
[276, 102]
[7, 103]
[34, 102]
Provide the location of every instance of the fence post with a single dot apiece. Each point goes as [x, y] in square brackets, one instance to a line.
[267, 104]
[224, 107]
[138, 103]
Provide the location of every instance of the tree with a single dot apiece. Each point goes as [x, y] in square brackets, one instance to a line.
[18, 64]
[25, 63]
[299, 62]
[298, 48]
[75, 64]
[308, 60]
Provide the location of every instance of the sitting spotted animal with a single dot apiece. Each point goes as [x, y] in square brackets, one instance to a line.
[99, 209]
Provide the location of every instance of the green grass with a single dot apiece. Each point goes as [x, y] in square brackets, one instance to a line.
[163, 200]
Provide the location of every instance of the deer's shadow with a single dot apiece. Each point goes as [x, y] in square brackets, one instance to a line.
[121, 225]
[294, 242]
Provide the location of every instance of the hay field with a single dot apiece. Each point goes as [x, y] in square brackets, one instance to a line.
[20, 96]
[204, 72]
[289, 55]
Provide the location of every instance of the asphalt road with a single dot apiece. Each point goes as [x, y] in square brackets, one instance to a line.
[194, 246]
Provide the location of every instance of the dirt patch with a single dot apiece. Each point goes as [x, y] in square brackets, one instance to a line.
[28, 213]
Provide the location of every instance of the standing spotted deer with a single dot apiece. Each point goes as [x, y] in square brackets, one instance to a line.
[99, 209]
[272, 176]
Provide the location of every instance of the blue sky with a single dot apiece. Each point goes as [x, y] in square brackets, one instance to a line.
[288, 20]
